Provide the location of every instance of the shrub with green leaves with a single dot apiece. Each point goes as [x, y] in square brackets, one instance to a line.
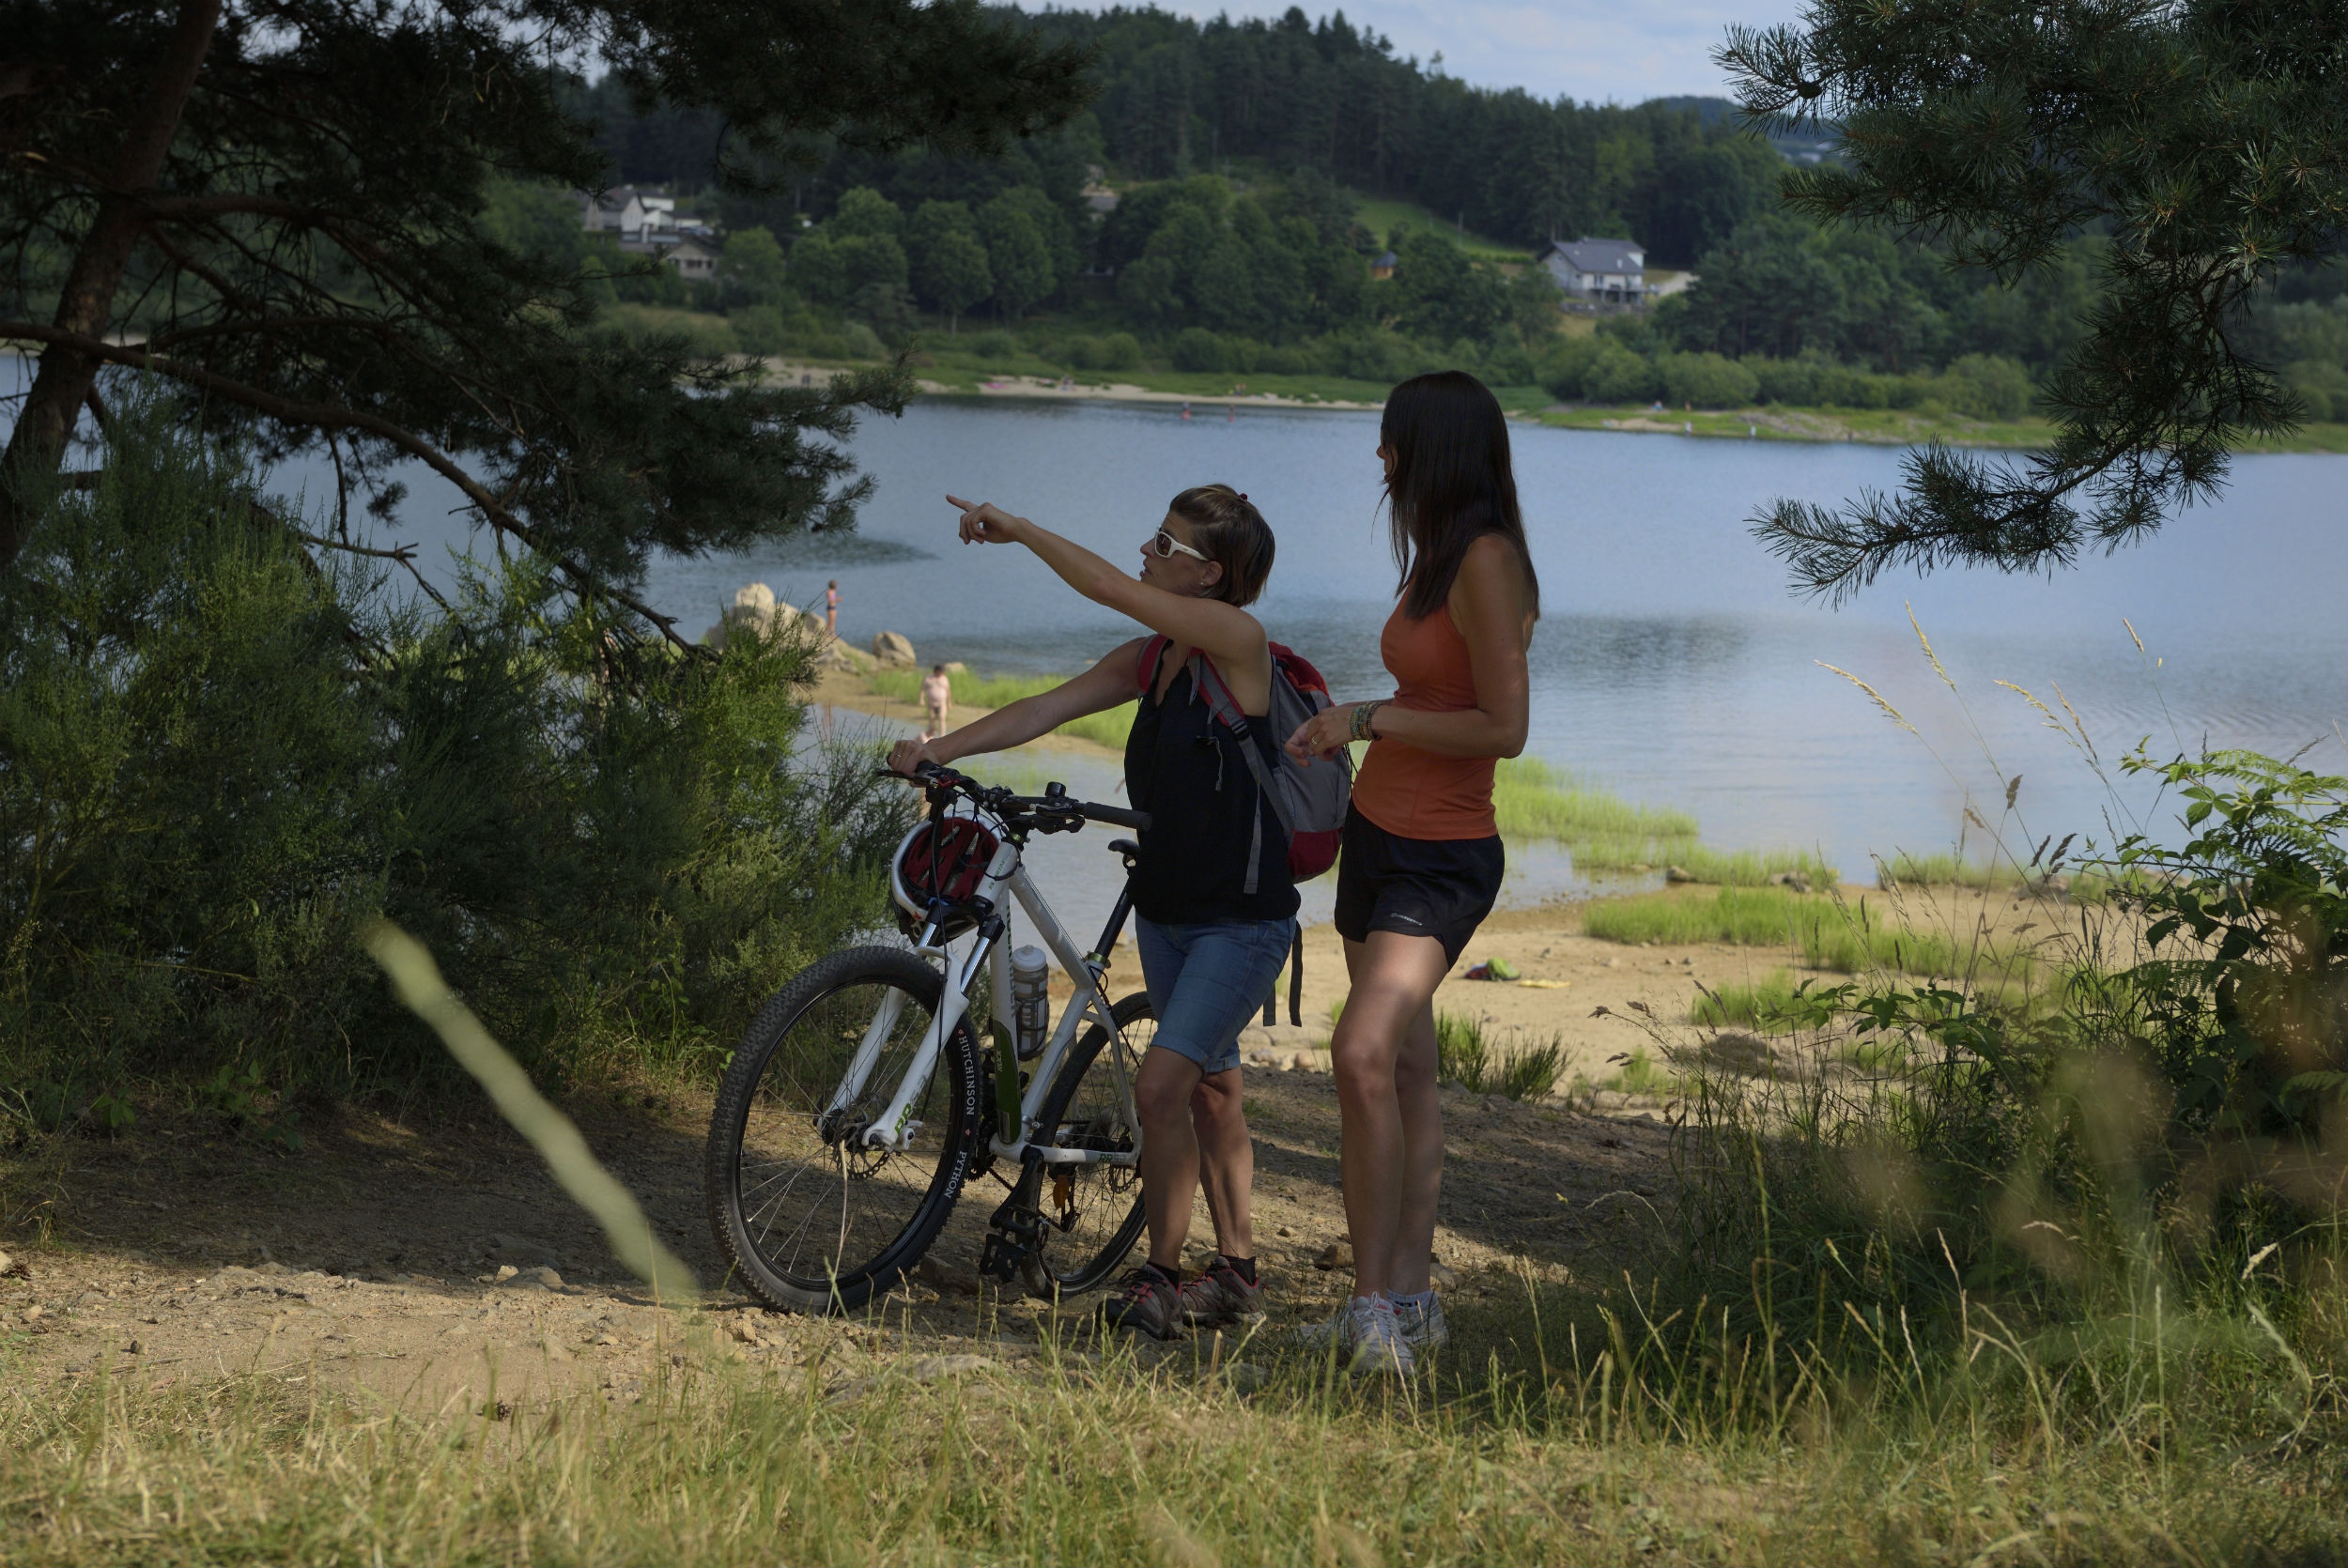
[223, 748]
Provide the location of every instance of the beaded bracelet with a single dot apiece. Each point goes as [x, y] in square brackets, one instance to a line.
[1365, 715]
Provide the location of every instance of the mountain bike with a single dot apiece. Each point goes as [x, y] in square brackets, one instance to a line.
[860, 1101]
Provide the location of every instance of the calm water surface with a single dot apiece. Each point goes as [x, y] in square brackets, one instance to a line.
[1672, 665]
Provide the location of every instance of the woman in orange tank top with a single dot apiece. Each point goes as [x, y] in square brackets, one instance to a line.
[1422, 860]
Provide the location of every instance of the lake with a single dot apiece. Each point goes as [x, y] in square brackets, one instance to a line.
[1672, 665]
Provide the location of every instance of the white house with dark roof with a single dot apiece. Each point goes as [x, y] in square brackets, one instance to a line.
[1597, 271]
[628, 212]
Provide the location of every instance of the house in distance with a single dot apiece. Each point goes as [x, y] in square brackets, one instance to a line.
[1597, 272]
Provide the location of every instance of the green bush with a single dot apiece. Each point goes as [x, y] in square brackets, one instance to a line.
[1196, 349]
[761, 330]
[219, 755]
[2322, 386]
[995, 344]
[1988, 386]
[1708, 381]
[1615, 374]
[1120, 352]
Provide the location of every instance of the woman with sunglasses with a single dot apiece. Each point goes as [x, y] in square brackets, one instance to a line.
[1211, 938]
[1421, 860]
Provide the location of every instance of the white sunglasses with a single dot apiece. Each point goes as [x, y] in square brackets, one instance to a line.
[1165, 545]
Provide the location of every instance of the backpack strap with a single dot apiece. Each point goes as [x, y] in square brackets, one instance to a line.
[1146, 672]
[1208, 681]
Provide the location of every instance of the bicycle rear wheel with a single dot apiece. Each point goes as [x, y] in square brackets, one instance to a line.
[812, 1219]
[1093, 1214]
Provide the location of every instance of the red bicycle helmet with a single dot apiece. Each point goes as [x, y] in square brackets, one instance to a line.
[943, 858]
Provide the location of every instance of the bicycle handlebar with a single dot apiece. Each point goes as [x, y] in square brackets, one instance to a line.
[1056, 803]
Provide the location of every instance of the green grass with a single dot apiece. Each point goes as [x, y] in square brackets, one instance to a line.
[1763, 1004]
[1944, 870]
[1826, 933]
[1380, 216]
[1603, 832]
[1466, 1056]
[970, 690]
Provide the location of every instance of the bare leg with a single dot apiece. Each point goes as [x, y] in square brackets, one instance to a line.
[1226, 1161]
[1384, 1057]
[1169, 1150]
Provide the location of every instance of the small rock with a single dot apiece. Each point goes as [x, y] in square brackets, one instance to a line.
[7, 1265]
[1678, 873]
[946, 1278]
[33, 1313]
[1243, 1376]
[519, 1250]
[1440, 1275]
[1612, 963]
[744, 1331]
[929, 1369]
[505, 1271]
[133, 1348]
[1797, 881]
[1284, 1231]
[529, 1279]
[893, 649]
[1337, 1255]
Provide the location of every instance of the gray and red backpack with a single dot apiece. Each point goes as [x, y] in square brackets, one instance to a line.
[1309, 802]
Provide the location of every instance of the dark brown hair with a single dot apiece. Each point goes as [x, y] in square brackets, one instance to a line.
[1452, 483]
[1225, 525]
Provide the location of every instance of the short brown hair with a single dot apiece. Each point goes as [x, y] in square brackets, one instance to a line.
[1225, 525]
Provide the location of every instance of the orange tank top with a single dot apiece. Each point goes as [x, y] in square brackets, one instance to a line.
[1419, 794]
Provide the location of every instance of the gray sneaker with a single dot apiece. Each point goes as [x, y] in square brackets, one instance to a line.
[1220, 1295]
[1376, 1332]
[1421, 1322]
[1146, 1303]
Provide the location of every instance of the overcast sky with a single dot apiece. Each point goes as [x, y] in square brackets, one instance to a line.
[1622, 51]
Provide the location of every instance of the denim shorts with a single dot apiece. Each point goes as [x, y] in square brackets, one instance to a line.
[1206, 982]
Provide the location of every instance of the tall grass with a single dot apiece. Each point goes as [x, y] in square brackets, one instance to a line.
[1108, 729]
[1765, 1004]
[1563, 1425]
[1826, 932]
[1466, 1056]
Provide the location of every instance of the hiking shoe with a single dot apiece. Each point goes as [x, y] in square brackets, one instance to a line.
[1220, 1295]
[1377, 1335]
[1145, 1303]
[1421, 1322]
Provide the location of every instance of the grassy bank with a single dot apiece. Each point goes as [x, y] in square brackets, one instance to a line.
[1885, 426]
[1826, 932]
[1603, 832]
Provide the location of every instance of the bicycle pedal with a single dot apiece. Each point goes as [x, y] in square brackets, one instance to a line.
[1000, 1257]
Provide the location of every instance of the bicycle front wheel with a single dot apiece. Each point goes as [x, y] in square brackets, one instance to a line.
[811, 1218]
[1093, 1214]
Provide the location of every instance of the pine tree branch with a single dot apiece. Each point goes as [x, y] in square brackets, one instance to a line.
[329, 416]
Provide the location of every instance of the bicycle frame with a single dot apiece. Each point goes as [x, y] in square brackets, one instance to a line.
[1015, 1129]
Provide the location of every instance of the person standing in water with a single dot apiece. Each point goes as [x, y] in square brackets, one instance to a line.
[938, 701]
[831, 608]
[1212, 931]
[1421, 861]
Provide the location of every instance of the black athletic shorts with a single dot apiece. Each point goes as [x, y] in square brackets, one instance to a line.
[1437, 887]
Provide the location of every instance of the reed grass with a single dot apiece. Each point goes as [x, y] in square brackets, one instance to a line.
[1109, 729]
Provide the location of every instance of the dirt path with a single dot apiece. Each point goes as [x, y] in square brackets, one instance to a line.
[424, 1261]
[370, 1261]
